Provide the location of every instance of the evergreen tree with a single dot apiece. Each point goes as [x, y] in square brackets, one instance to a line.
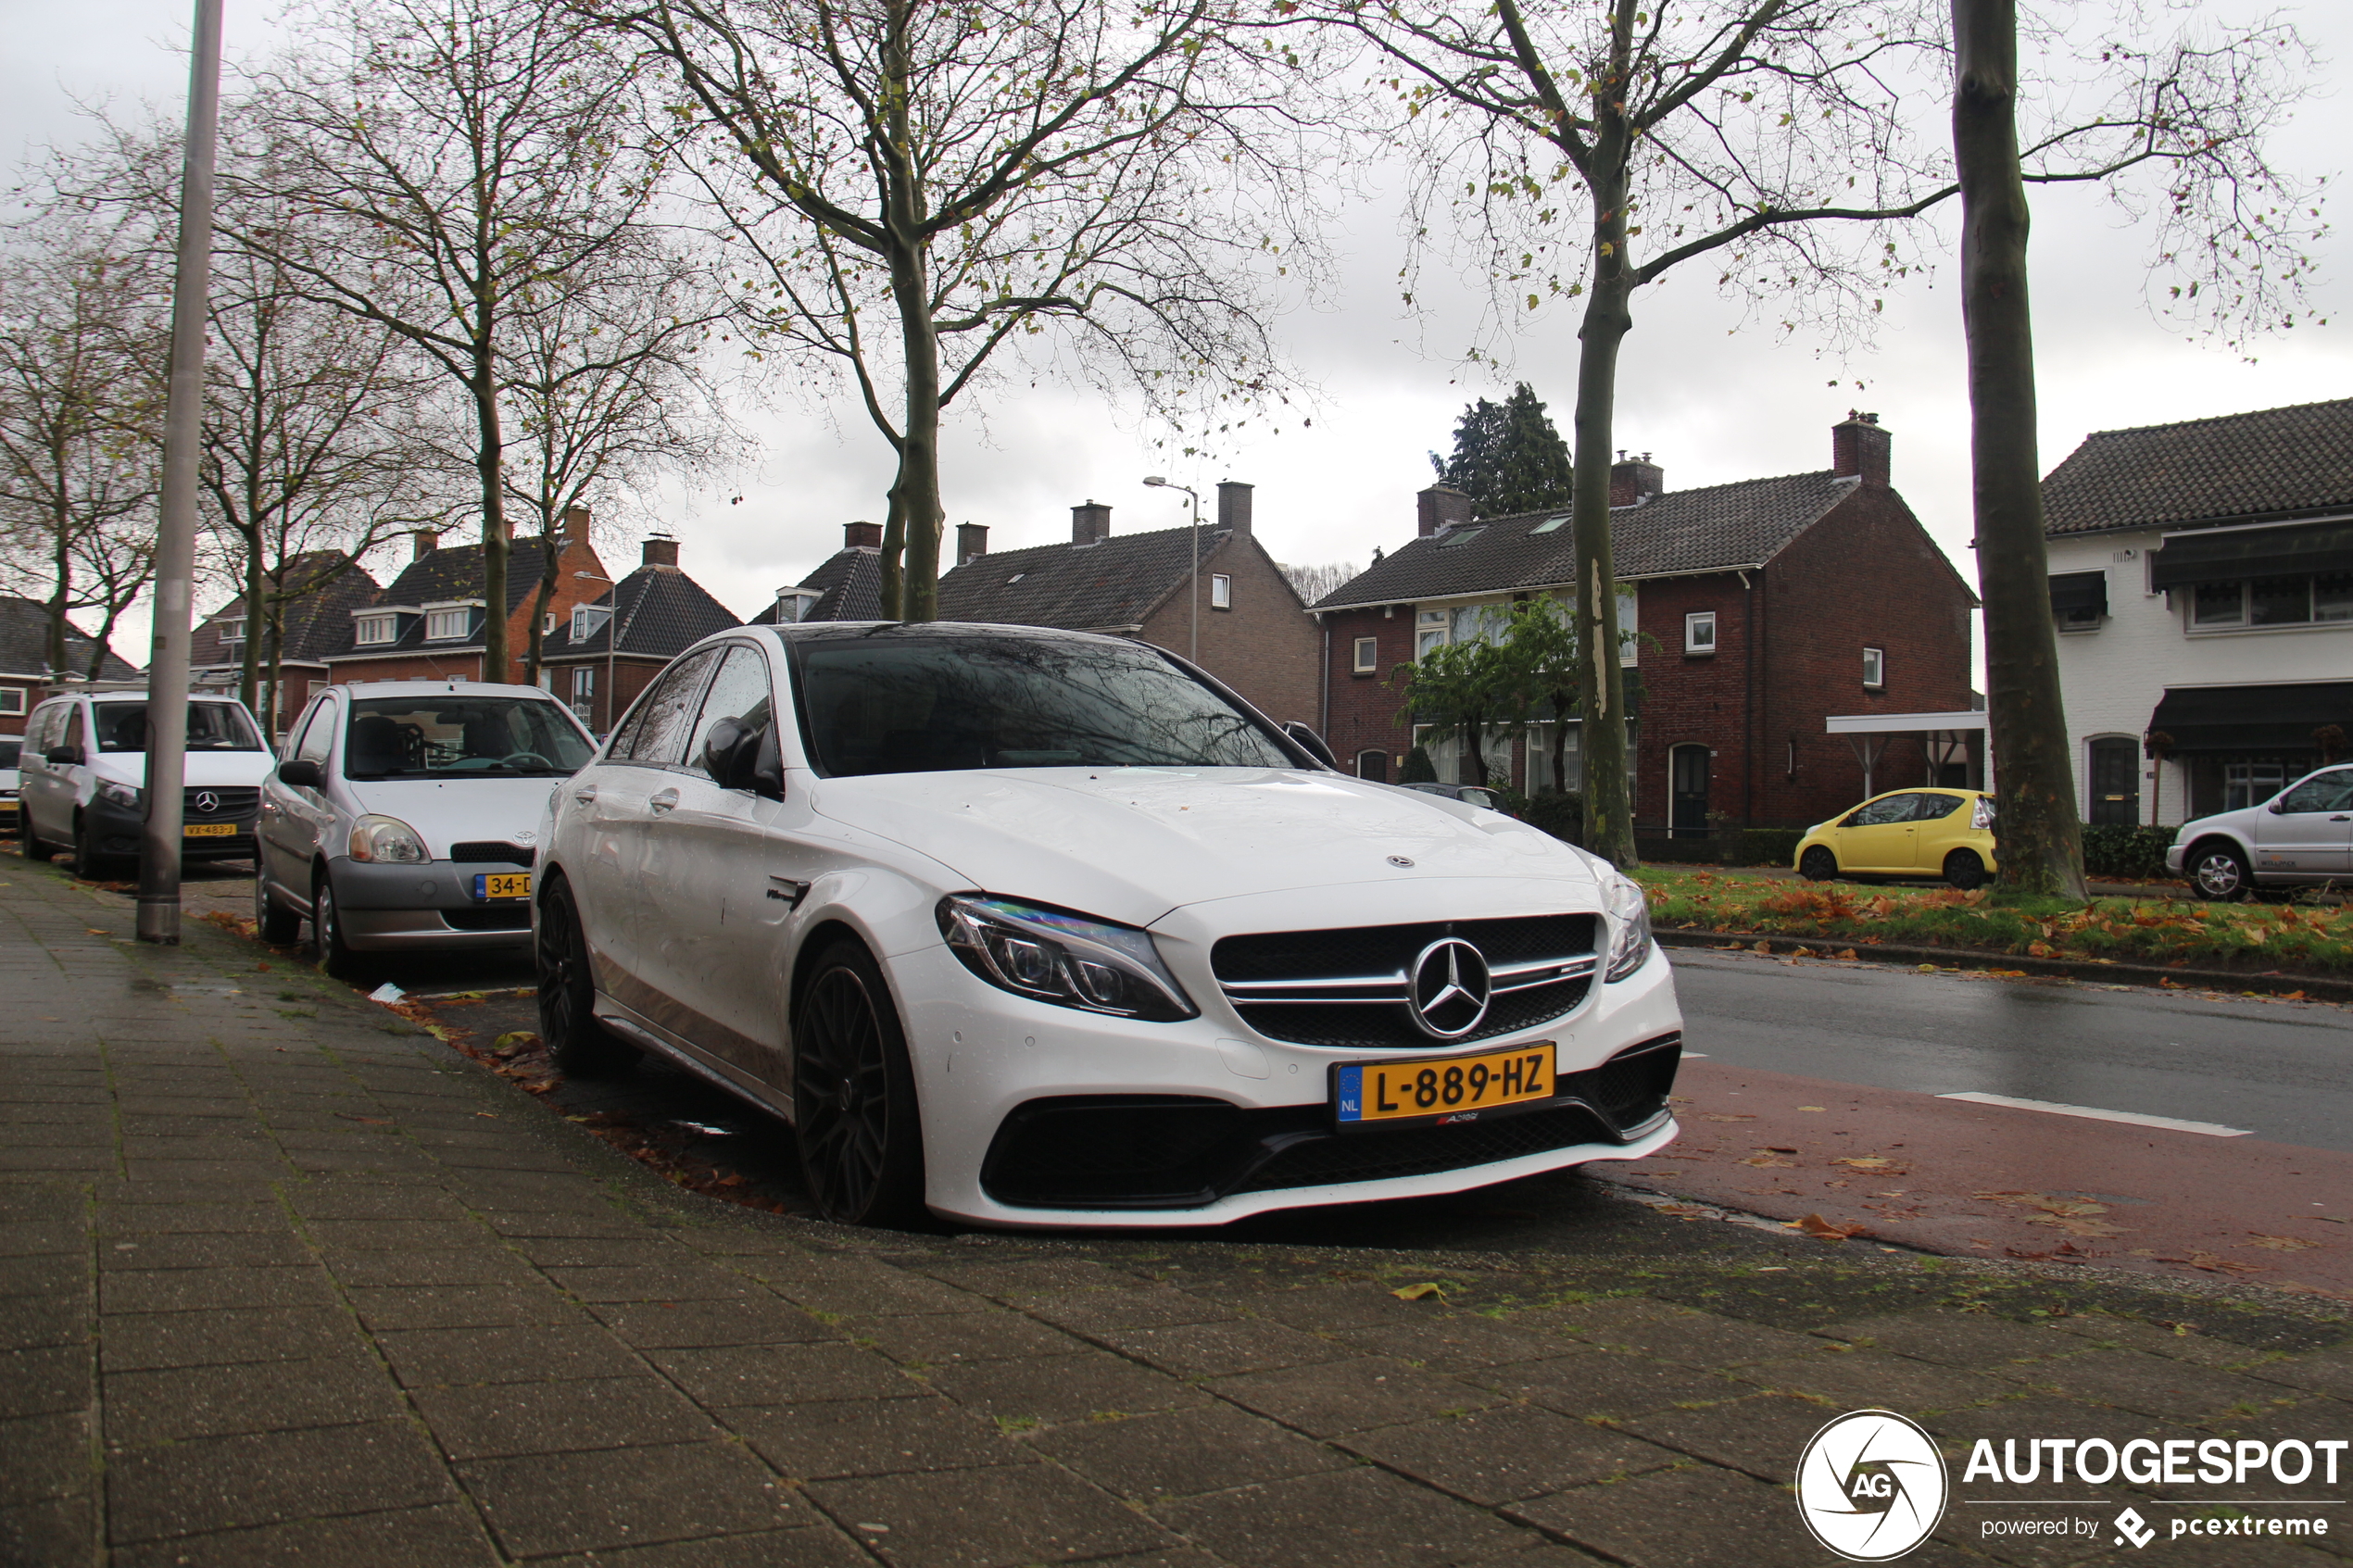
[1507, 457]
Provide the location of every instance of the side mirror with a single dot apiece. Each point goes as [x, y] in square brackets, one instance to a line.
[2278, 808]
[63, 757]
[768, 764]
[1314, 743]
[301, 774]
[739, 757]
[719, 751]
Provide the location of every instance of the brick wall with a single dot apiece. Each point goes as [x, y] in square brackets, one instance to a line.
[1265, 647]
[1691, 699]
[465, 663]
[1364, 709]
[617, 685]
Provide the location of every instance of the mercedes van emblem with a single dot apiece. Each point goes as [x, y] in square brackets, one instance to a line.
[206, 802]
[1450, 989]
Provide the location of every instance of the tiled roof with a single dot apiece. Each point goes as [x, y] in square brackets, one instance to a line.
[663, 613]
[2239, 467]
[1718, 528]
[317, 623]
[453, 572]
[24, 644]
[1078, 587]
[849, 586]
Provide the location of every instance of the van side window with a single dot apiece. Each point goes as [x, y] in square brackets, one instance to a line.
[74, 735]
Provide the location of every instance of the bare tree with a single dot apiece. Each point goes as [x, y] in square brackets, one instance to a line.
[449, 165]
[1313, 583]
[82, 358]
[979, 174]
[1770, 140]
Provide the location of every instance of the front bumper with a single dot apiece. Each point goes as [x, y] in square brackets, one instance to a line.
[428, 904]
[119, 829]
[2175, 855]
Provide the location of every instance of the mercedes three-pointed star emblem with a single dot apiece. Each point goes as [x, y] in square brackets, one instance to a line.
[1450, 988]
[208, 802]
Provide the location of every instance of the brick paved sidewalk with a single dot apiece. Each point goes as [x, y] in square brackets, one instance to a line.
[282, 1282]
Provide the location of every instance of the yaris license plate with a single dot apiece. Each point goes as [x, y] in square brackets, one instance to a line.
[1454, 1088]
[503, 884]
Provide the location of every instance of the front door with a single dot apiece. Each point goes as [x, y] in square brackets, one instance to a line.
[2116, 783]
[2308, 831]
[1687, 769]
[1877, 837]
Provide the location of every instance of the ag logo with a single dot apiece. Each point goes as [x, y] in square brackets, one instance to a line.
[1871, 1485]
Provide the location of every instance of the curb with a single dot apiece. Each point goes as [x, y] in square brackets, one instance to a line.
[2315, 988]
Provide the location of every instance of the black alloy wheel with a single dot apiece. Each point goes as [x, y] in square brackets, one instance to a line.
[2218, 872]
[854, 1112]
[1818, 864]
[1965, 869]
[568, 1026]
[272, 922]
[335, 954]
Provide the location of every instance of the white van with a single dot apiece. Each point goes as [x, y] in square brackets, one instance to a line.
[84, 779]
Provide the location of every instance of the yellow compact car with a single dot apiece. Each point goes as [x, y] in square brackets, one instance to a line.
[1927, 832]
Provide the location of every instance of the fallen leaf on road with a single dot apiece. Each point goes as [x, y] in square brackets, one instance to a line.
[1868, 1162]
[1824, 1229]
[1761, 947]
[1417, 1292]
[1763, 1161]
[2074, 1226]
[2214, 1265]
[2277, 1243]
[1812, 1108]
[1720, 1116]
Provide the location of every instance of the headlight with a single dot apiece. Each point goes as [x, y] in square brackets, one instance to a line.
[388, 838]
[121, 794]
[1630, 916]
[1051, 956]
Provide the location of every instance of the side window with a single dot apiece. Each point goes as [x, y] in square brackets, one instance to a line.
[2329, 792]
[75, 734]
[1881, 812]
[318, 734]
[1936, 807]
[738, 691]
[656, 733]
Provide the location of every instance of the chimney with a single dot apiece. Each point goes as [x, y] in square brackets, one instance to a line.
[972, 543]
[1442, 506]
[1090, 523]
[1859, 447]
[861, 535]
[1233, 508]
[422, 541]
[1631, 484]
[574, 525]
[661, 550]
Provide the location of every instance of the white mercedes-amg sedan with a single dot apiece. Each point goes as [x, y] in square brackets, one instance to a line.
[1033, 929]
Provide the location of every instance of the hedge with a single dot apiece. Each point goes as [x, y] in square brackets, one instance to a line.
[1769, 846]
[2128, 854]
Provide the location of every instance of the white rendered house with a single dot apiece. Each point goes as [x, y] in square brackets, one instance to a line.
[2202, 582]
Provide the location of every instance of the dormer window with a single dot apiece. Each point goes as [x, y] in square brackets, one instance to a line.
[232, 629]
[443, 625]
[587, 621]
[375, 631]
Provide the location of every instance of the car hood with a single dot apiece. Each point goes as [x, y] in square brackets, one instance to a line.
[218, 769]
[501, 810]
[1131, 844]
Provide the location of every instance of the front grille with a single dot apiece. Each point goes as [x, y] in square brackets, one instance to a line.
[240, 801]
[490, 917]
[1169, 1151]
[1347, 988]
[483, 851]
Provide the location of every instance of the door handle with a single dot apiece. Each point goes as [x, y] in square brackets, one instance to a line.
[2341, 818]
[587, 796]
[662, 803]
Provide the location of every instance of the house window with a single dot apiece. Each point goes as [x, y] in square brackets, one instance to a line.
[584, 683]
[1875, 668]
[585, 620]
[2251, 784]
[1430, 631]
[1367, 655]
[1549, 525]
[1699, 632]
[547, 623]
[11, 700]
[233, 629]
[375, 631]
[1221, 591]
[442, 624]
[2305, 600]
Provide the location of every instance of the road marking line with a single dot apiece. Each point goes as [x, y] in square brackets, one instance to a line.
[2133, 1118]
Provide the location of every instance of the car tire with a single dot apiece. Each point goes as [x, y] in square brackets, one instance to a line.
[1818, 864]
[88, 864]
[336, 955]
[567, 1027]
[1965, 869]
[272, 922]
[35, 846]
[855, 1116]
[2218, 872]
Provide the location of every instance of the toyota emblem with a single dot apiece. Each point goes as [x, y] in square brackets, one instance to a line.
[1450, 988]
[208, 802]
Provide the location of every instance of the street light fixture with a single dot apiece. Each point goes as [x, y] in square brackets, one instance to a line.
[1161, 482]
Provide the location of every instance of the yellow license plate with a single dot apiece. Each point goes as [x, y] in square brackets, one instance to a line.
[503, 884]
[1456, 1087]
[209, 829]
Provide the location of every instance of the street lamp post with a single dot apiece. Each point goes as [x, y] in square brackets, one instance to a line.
[1159, 482]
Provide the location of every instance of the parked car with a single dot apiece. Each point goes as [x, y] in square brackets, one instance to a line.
[1040, 929]
[1470, 794]
[83, 779]
[11, 746]
[406, 817]
[2301, 836]
[1906, 833]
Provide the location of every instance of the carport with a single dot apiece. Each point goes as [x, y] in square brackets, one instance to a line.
[1950, 741]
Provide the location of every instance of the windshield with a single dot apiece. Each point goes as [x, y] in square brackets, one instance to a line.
[212, 726]
[937, 704]
[450, 736]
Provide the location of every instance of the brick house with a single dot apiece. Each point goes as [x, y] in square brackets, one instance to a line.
[2202, 583]
[429, 622]
[25, 675]
[315, 624]
[602, 654]
[848, 586]
[1757, 609]
[1255, 634]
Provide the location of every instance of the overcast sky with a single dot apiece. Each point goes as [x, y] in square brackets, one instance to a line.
[1712, 401]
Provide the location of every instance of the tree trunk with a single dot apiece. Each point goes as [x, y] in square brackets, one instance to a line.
[1609, 821]
[894, 549]
[489, 457]
[541, 598]
[249, 655]
[914, 499]
[2038, 835]
[275, 721]
[61, 591]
